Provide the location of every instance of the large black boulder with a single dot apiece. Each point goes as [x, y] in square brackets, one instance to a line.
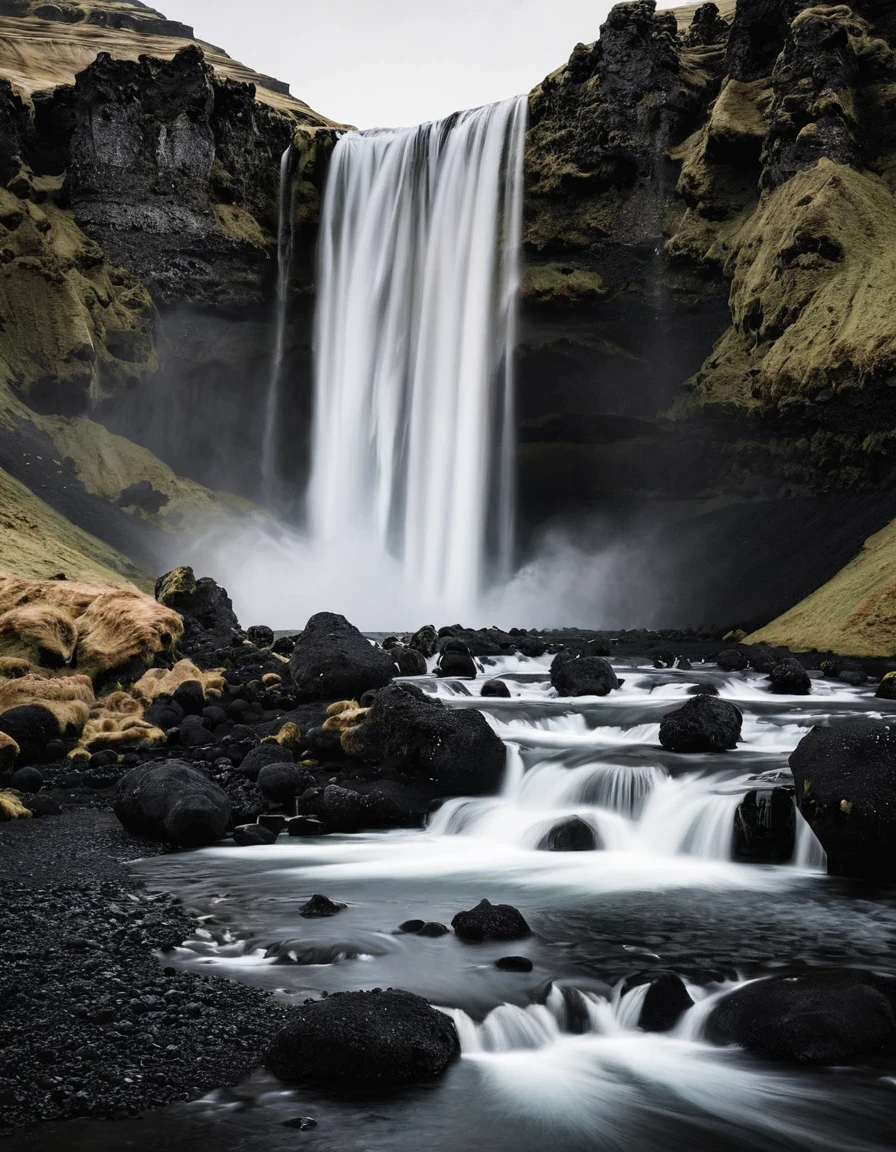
[886, 690]
[495, 689]
[425, 641]
[582, 675]
[824, 1017]
[454, 749]
[172, 802]
[765, 826]
[207, 610]
[410, 662]
[281, 781]
[666, 1002]
[33, 728]
[455, 660]
[332, 660]
[845, 777]
[489, 921]
[570, 835]
[790, 678]
[704, 724]
[732, 660]
[261, 756]
[369, 1038]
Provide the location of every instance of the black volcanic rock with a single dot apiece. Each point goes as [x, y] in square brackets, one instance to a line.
[704, 724]
[377, 1039]
[332, 660]
[582, 675]
[489, 921]
[172, 802]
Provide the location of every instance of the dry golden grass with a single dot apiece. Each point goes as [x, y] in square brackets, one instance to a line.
[69, 698]
[12, 808]
[38, 634]
[164, 681]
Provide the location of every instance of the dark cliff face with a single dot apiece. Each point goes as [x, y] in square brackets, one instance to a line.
[707, 307]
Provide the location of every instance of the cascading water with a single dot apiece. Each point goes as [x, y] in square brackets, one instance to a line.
[413, 437]
[269, 448]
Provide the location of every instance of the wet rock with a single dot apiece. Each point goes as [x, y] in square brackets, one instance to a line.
[319, 907]
[666, 1002]
[845, 778]
[489, 921]
[706, 689]
[32, 728]
[274, 821]
[790, 678]
[572, 835]
[886, 689]
[732, 660]
[412, 927]
[582, 676]
[410, 662]
[250, 835]
[455, 661]
[377, 1039]
[514, 964]
[704, 724]
[301, 1123]
[765, 826]
[27, 780]
[260, 635]
[425, 641]
[338, 809]
[172, 802]
[305, 826]
[434, 930]
[495, 689]
[324, 744]
[332, 660]
[845, 670]
[281, 781]
[453, 750]
[263, 755]
[824, 1017]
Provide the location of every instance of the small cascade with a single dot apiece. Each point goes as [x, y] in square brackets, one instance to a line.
[285, 229]
[413, 444]
[809, 853]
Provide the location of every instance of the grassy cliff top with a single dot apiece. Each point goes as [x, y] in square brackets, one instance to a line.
[37, 52]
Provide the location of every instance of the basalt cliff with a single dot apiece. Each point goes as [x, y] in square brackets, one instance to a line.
[707, 355]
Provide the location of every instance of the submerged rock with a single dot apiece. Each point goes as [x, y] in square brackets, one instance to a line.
[704, 724]
[251, 835]
[489, 921]
[172, 802]
[825, 1017]
[571, 835]
[377, 1039]
[514, 964]
[332, 660]
[495, 689]
[845, 777]
[319, 907]
[583, 675]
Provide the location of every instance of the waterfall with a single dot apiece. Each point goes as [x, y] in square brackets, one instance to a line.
[269, 448]
[413, 443]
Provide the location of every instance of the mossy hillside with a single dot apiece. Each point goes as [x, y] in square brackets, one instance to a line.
[38, 542]
[854, 613]
[74, 327]
[813, 294]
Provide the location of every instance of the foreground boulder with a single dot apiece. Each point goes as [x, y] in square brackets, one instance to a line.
[825, 1017]
[582, 675]
[845, 778]
[886, 690]
[765, 826]
[495, 689]
[369, 1038]
[31, 727]
[704, 724]
[207, 611]
[453, 749]
[173, 803]
[489, 921]
[332, 660]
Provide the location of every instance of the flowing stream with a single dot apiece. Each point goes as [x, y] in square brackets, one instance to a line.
[553, 1057]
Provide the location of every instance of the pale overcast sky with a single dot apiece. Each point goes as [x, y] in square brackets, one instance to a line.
[396, 62]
